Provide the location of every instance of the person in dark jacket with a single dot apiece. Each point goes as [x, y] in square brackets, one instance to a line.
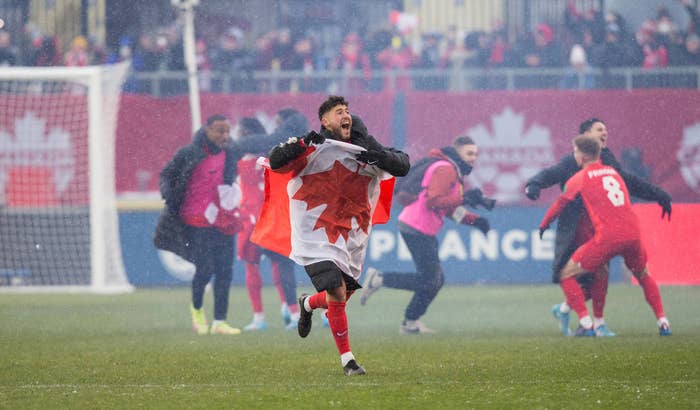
[335, 285]
[441, 196]
[201, 217]
[574, 227]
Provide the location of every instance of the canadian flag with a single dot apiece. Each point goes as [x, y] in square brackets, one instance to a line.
[324, 207]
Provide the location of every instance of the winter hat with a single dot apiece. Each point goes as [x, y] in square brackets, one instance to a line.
[577, 56]
[546, 32]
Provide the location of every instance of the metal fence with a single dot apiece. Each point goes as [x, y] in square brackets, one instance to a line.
[169, 83]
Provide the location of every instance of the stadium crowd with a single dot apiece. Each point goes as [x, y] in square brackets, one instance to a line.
[587, 38]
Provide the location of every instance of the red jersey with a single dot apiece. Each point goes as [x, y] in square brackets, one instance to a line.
[606, 199]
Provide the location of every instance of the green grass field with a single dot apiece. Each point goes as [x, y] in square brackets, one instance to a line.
[497, 347]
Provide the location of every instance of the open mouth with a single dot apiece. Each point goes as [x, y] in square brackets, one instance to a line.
[345, 125]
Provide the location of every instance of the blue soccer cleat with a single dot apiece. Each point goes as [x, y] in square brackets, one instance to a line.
[603, 331]
[584, 332]
[286, 314]
[562, 318]
[665, 330]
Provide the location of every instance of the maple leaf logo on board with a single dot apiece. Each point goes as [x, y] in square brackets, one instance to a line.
[349, 201]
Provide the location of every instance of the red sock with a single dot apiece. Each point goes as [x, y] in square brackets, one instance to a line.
[277, 282]
[318, 300]
[338, 321]
[652, 295]
[253, 282]
[599, 290]
[574, 296]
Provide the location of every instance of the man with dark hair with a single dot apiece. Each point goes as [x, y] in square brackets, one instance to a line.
[605, 196]
[340, 177]
[574, 226]
[441, 195]
[201, 217]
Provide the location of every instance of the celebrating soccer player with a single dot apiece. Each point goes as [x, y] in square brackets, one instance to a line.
[606, 199]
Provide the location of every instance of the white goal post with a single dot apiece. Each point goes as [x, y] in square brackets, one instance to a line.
[59, 228]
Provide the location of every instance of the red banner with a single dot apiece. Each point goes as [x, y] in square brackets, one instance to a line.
[519, 133]
[151, 130]
[673, 247]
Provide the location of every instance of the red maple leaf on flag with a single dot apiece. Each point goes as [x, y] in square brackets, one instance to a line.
[345, 194]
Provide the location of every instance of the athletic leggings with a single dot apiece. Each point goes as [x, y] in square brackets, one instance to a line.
[287, 279]
[426, 282]
[213, 256]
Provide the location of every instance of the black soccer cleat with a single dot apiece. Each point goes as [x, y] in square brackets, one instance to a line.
[304, 325]
[353, 369]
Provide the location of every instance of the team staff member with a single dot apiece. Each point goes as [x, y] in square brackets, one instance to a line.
[419, 223]
[191, 184]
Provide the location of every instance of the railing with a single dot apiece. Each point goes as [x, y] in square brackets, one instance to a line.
[168, 83]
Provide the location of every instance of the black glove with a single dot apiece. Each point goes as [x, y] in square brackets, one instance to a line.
[542, 229]
[313, 138]
[482, 224]
[532, 190]
[665, 203]
[474, 197]
[371, 157]
[284, 153]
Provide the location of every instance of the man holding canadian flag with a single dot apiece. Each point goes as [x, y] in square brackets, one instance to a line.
[323, 193]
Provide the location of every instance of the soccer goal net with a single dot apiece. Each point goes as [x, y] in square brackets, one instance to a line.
[58, 218]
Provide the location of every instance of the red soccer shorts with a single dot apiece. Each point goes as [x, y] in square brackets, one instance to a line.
[599, 250]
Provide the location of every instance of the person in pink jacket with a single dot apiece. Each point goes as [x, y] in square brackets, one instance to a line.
[441, 195]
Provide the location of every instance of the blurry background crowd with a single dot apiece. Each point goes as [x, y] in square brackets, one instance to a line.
[311, 38]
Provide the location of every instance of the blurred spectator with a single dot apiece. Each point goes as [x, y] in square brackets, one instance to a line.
[234, 59]
[46, 52]
[174, 48]
[352, 58]
[376, 42]
[203, 64]
[430, 59]
[614, 52]
[587, 22]
[688, 53]
[541, 50]
[453, 54]
[282, 50]
[655, 52]
[579, 75]
[303, 60]
[693, 15]
[124, 51]
[148, 55]
[478, 50]
[499, 48]
[77, 55]
[397, 57]
[8, 54]
[96, 51]
[665, 26]
[263, 54]
[538, 50]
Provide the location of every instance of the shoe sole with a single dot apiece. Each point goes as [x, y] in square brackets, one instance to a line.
[303, 328]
